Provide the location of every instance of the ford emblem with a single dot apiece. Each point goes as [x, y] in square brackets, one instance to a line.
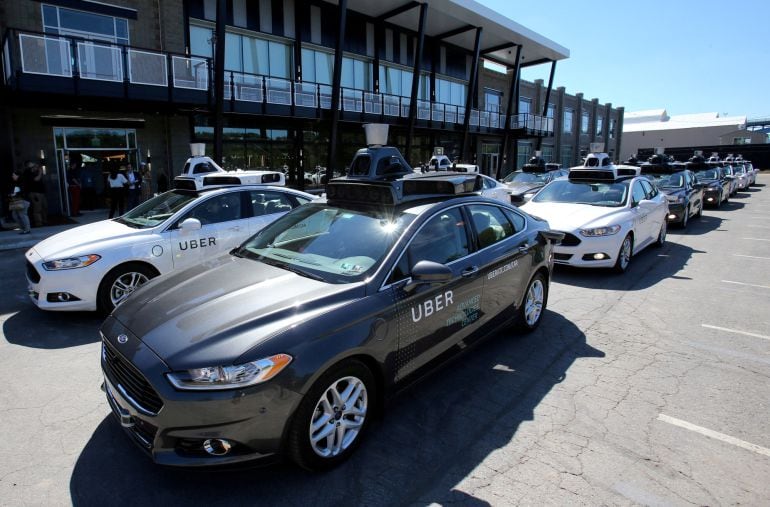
[122, 338]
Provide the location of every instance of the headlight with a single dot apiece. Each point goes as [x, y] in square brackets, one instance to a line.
[230, 377]
[72, 262]
[600, 231]
[676, 199]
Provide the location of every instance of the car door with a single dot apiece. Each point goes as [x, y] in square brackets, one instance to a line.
[223, 227]
[656, 215]
[505, 258]
[431, 318]
[641, 214]
[267, 206]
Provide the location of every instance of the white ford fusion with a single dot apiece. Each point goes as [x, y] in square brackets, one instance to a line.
[608, 214]
[97, 266]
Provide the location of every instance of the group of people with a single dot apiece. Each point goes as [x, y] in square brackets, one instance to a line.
[128, 187]
[28, 199]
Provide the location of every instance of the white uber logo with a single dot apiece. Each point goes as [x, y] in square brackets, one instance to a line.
[431, 306]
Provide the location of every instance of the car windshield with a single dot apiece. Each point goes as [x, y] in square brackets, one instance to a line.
[666, 180]
[328, 243]
[612, 194]
[158, 209]
[522, 177]
[707, 174]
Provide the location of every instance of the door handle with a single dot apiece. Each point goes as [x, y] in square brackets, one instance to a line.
[524, 249]
[470, 271]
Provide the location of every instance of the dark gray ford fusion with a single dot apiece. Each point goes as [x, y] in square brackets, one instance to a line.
[288, 345]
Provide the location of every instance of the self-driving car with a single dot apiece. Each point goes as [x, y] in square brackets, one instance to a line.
[97, 266]
[679, 185]
[716, 184]
[288, 345]
[534, 175]
[608, 214]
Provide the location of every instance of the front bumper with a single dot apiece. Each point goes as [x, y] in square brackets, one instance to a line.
[712, 197]
[65, 290]
[583, 254]
[252, 419]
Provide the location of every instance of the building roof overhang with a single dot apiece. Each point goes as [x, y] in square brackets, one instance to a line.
[499, 38]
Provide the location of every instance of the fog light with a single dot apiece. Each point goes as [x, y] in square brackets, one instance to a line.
[217, 446]
[61, 297]
[710, 199]
[671, 216]
[599, 256]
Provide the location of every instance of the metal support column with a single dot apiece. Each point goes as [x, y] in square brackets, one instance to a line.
[336, 78]
[547, 99]
[416, 81]
[471, 92]
[508, 116]
[219, 79]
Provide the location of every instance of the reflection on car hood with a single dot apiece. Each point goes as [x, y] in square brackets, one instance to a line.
[82, 240]
[569, 216]
[219, 309]
[673, 192]
[522, 188]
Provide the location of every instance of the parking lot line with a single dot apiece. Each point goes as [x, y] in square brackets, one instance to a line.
[752, 257]
[754, 358]
[745, 333]
[715, 435]
[747, 284]
[759, 226]
[757, 239]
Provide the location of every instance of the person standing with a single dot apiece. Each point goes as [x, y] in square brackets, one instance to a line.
[19, 207]
[35, 188]
[73, 184]
[118, 184]
[134, 186]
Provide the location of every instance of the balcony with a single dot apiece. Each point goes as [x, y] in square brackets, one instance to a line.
[52, 64]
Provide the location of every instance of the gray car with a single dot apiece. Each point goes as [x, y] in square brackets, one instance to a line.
[289, 344]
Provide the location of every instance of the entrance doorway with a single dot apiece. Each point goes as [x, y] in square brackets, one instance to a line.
[94, 152]
[490, 156]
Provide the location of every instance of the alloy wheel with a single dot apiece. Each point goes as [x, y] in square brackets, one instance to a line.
[338, 417]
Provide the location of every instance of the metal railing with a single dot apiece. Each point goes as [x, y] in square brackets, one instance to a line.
[72, 57]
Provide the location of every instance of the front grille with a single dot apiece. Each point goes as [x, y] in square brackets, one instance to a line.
[32, 273]
[562, 256]
[131, 380]
[570, 240]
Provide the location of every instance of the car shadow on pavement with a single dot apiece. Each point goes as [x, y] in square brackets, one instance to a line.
[433, 435]
[647, 268]
[703, 225]
[36, 328]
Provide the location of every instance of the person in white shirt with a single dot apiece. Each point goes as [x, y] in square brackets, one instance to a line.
[118, 185]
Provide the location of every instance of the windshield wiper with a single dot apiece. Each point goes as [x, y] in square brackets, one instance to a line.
[300, 272]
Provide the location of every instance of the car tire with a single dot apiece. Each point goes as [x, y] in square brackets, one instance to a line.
[625, 252]
[700, 210]
[533, 305]
[719, 201]
[661, 241]
[685, 218]
[120, 282]
[318, 408]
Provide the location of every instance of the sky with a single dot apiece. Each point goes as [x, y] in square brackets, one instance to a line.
[685, 56]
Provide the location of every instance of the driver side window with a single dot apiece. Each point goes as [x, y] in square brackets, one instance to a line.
[637, 194]
[441, 239]
[217, 209]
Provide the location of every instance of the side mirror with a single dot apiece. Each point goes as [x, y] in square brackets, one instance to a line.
[429, 272]
[190, 224]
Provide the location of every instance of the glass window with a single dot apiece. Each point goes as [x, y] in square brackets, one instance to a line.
[637, 193]
[356, 74]
[490, 224]
[280, 59]
[551, 111]
[85, 24]
[458, 94]
[525, 106]
[233, 52]
[255, 56]
[612, 128]
[492, 100]
[649, 190]
[518, 221]
[442, 239]
[584, 123]
[525, 151]
[566, 156]
[200, 41]
[267, 202]
[568, 119]
[324, 67]
[599, 126]
[217, 209]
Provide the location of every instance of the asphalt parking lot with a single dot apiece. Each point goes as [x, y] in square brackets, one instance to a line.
[646, 388]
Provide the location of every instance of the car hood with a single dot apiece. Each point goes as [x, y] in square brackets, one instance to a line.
[522, 188]
[568, 216]
[212, 313]
[85, 239]
[673, 192]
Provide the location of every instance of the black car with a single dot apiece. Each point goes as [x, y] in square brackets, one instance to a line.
[288, 344]
[678, 183]
[524, 184]
[716, 184]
